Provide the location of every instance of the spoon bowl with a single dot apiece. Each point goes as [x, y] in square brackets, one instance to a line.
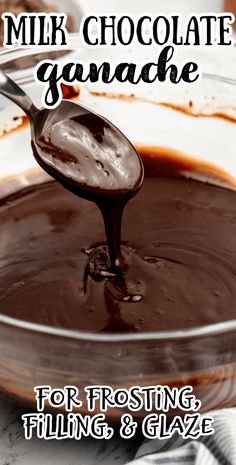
[86, 153]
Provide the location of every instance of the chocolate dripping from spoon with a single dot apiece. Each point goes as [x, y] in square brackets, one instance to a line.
[87, 154]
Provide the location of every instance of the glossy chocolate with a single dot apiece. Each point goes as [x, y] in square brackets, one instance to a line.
[90, 157]
[178, 244]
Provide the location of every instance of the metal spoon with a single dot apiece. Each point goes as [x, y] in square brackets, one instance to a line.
[86, 153]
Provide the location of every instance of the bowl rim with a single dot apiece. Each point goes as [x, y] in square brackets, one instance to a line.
[90, 336]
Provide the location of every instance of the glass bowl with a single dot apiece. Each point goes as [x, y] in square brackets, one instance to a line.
[196, 122]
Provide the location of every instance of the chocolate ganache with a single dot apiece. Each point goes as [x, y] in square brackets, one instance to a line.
[178, 247]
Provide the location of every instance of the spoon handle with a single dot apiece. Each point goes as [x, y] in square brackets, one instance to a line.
[13, 92]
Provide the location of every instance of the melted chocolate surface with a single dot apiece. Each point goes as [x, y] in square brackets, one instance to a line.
[178, 246]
